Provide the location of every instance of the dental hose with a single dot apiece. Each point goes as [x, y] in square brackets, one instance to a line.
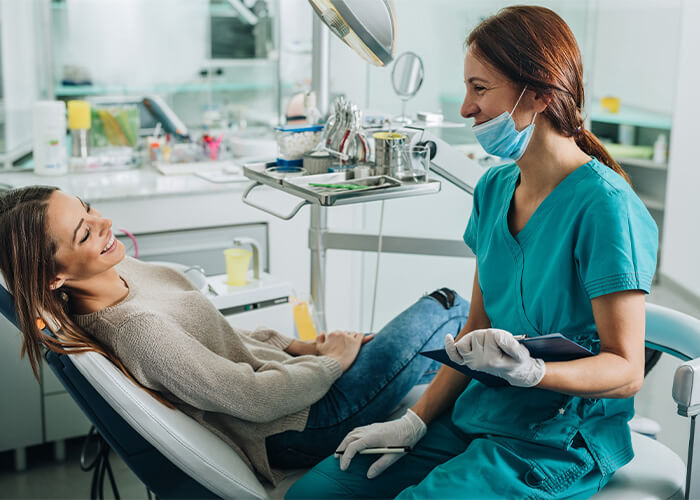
[376, 273]
[133, 241]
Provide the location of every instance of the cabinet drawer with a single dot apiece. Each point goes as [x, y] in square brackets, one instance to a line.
[20, 394]
[201, 246]
[49, 382]
[63, 418]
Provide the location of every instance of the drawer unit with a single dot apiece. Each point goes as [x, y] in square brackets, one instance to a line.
[200, 246]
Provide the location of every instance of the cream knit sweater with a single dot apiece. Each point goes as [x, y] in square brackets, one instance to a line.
[239, 384]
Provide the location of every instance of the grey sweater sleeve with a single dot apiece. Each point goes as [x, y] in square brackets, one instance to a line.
[161, 355]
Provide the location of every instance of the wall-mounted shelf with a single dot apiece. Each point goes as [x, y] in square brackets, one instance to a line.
[642, 163]
[631, 115]
[80, 90]
[651, 203]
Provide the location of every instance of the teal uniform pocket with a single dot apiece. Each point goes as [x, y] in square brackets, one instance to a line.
[524, 413]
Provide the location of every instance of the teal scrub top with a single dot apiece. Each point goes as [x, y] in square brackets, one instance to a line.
[591, 236]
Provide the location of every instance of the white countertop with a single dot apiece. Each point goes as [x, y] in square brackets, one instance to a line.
[144, 182]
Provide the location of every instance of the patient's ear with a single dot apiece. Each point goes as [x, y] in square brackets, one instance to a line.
[57, 283]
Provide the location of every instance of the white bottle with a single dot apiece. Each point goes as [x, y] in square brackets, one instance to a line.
[49, 131]
[313, 115]
[660, 149]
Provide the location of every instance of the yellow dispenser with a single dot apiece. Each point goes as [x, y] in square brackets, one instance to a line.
[78, 115]
[302, 319]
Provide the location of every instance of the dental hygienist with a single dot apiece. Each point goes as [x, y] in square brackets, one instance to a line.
[563, 244]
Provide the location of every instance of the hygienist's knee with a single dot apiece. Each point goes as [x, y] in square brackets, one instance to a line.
[315, 485]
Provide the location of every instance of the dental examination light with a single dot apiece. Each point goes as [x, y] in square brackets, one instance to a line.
[366, 26]
[369, 28]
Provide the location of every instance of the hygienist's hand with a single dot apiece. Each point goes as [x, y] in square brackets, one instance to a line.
[341, 346]
[406, 431]
[496, 352]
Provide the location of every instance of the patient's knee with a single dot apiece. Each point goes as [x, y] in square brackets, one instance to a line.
[448, 298]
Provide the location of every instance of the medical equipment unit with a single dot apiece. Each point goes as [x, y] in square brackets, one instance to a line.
[399, 170]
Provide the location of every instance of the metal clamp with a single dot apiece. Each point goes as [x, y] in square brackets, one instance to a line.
[267, 210]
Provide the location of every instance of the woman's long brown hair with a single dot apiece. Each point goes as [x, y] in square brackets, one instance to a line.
[533, 46]
[28, 263]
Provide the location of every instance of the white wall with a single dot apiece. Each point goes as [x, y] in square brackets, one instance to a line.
[19, 71]
[295, 43]
[681, 237]
[636, 52]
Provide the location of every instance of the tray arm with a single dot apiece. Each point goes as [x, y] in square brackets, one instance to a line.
[247, 201]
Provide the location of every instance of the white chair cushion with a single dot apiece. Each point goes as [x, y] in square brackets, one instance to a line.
[186, 443]
[655, 472]
[645, 426]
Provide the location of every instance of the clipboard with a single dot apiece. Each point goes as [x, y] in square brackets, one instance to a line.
[550, 347]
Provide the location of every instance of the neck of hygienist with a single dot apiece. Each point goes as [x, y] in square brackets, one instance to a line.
[548, 159]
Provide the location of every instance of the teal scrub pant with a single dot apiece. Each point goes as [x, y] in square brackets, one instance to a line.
[447, 463]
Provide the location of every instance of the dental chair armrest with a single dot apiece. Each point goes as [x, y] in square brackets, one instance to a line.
[686, 388]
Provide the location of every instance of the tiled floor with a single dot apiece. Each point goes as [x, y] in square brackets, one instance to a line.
[45, 478]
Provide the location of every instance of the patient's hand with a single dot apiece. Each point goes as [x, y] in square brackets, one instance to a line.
[342, 346]
[310, 347]
[302, 347]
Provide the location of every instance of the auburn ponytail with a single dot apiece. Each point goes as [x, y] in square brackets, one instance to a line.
[590, 145]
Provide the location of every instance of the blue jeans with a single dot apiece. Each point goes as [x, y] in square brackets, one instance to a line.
[386, 368]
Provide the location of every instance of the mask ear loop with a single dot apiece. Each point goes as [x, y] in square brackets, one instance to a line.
[518, 101]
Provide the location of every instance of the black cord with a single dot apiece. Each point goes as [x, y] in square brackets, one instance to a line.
[92, 433]
[107, 466]
[99, 464]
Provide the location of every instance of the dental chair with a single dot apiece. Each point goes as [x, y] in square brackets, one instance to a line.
[176, 457]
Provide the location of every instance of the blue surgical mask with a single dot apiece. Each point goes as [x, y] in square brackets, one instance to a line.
[499, 137]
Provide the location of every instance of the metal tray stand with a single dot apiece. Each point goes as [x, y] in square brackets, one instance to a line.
[381, 187]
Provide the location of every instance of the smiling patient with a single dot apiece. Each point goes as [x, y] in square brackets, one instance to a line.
[279, 402]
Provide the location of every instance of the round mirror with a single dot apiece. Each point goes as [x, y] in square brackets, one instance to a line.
[407, 78]
[407, 74]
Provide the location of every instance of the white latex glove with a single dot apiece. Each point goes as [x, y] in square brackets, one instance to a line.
[406, 431]
[496, 352]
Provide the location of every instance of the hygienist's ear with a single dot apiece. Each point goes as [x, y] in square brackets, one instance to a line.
[541, 101]
[57, 283]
